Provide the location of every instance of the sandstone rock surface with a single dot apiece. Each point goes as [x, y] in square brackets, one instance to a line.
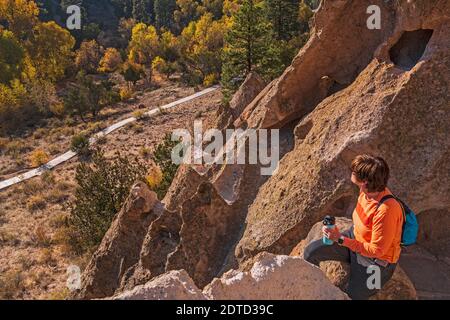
[270, 277]
[350, 90]
[174, 285]
[121, 245]
[387, 107]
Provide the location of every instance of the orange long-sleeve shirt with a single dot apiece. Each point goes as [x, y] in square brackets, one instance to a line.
[377, 232]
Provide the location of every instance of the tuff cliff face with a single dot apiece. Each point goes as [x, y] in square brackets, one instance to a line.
[350, 90]
[398, 110]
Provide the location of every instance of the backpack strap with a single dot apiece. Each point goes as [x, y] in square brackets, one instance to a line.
[385, 198]
[390, 196]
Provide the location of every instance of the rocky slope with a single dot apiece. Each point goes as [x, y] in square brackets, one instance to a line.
[350, 90]
[270, 277]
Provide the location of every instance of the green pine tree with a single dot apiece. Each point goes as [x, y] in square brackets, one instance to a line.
[283, 14]
[143, 11]
[164, 13]
[250, 46]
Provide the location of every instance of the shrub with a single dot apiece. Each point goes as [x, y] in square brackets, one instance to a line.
[58, 109]
[66, 239]
[11, 282]
[36, 203]
[41, 237]
[102, 189]
[45, 257]
[59, 295]
[59, 220]
[136, 127]
[80, 144]
[210, 80]
[48, 178]
[125, 93]
[140, 114]
[3, 143]
[102, 140]
[163, 158]
[38, 158]
[40, 133]
[154, 178]
[64, 185]
[144, 152]
[54, 149]
[6, 236]
[198, 115]
[95, 127]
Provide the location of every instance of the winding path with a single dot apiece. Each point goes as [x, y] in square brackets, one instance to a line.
[70, 154]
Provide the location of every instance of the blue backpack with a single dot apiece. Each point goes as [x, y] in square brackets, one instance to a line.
[410, 224]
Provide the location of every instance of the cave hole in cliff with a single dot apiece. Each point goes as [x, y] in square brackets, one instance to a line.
[410, 48]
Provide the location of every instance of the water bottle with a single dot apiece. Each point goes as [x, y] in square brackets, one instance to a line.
[330, 223]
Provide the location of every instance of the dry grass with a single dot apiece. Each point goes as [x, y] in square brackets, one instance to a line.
[32, 187]
[10, 283]
[61, 294]
[59, 220]
[36, 203]
[56, 196]
[45, 257]
[7, 236]
[41, 237]
[16, 147]
[40, 133]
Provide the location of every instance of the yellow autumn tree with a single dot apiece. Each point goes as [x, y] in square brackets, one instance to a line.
[12, 56]
[143, 47]
[20, 15]
[111, 60]
[88, 56]
[51, 50]
[201, 45]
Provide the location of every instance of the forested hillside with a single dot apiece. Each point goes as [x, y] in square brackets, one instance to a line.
[49, 71]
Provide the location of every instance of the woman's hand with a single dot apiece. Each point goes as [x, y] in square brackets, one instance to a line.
[332, 234]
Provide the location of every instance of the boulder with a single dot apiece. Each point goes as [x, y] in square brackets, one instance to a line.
[121, 245]
[161, 239]
[273, 277]
[270, 277]
[174, 285]
[184, 185]
[249, 89]
[209, 223]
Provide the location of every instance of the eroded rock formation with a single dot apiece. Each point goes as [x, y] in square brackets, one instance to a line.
[121, 245]
[386, 109]
[269, 277]
[350, 90]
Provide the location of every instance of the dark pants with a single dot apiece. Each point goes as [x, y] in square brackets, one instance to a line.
[357, 288]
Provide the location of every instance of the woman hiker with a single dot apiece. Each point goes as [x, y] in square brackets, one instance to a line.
[374, 239]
